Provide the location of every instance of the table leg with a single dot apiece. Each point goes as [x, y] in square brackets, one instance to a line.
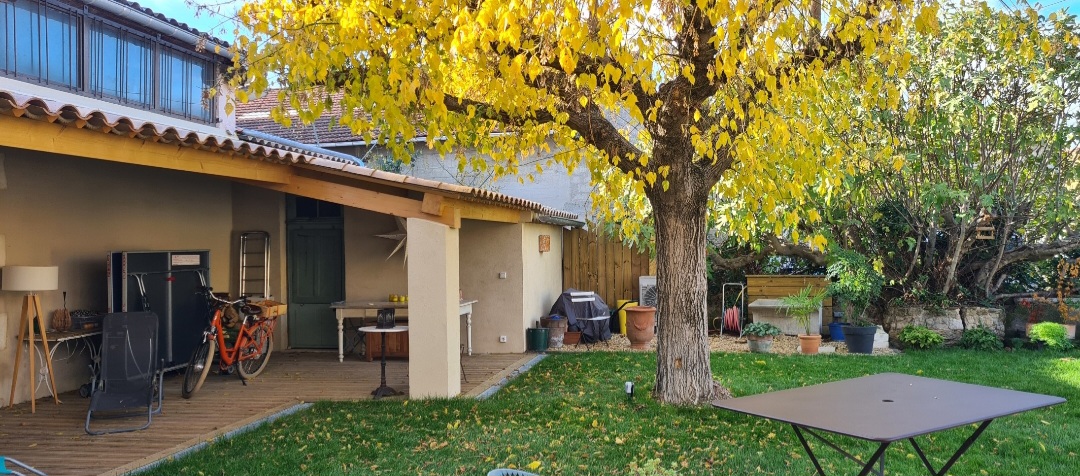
[468, 329]
[340, 337]
[877, 458]
[959, 452]
[383, 389]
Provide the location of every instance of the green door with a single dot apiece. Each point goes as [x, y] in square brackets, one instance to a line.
[316, 264]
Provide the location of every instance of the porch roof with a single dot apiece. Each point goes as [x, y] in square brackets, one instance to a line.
[265, 148]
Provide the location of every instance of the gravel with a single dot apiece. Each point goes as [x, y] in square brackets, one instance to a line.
[717, 343]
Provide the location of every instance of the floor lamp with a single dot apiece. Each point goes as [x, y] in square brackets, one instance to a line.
[31, 279]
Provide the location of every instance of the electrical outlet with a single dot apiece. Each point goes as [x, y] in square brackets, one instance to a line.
[502, 339]
[502, 275]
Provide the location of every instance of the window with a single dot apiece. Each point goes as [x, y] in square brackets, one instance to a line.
[184, 80]
[121, 65]
[40, 42]
[98, 55]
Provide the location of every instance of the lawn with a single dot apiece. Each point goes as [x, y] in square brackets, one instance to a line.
[569, 416]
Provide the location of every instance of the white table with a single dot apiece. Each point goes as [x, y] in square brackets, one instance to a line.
[384, 390]
[362, 309]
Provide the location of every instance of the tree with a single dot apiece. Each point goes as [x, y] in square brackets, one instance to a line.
[682, 102]
[989, 131]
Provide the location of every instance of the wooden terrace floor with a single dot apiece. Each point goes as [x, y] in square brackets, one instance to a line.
[53, 440]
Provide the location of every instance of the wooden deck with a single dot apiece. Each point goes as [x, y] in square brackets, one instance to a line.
[53, 440]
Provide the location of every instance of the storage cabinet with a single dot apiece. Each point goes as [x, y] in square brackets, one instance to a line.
[397, 345]
[163, 282]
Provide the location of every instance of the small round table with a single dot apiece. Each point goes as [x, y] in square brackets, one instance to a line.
[383, 389]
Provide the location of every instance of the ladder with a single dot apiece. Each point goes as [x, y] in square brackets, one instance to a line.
[255, 264]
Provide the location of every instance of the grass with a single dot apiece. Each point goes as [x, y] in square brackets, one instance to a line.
[569, 416]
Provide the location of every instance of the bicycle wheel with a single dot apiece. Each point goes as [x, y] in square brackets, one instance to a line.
[198, 368]
[255, 353]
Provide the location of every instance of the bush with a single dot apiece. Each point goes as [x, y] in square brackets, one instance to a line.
[920, 337]
[1051, 334]
[980, 338]
[761, 329]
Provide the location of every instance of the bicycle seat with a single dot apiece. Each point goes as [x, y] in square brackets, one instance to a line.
[251, 309]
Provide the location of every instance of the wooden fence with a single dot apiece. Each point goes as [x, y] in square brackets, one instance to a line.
[604, 265]
[775, 287]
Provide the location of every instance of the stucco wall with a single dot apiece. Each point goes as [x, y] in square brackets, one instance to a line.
[486, 249]
[258, 209]
[69, 212]
[542, 271]
[369, 274]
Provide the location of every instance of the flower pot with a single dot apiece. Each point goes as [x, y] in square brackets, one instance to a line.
[836, 331]
[536, 339]
[759, 344]
[860, 340]
[809, 344]
[640, 321]
[572, 338]
[556, 331]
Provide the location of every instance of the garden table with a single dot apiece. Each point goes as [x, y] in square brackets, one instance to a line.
[384, 390]
[886, 408]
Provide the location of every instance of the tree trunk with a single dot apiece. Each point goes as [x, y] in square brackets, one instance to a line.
[683, 373]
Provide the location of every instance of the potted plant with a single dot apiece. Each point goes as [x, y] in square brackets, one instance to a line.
[800, 306]
[759, 336]
[854, 281]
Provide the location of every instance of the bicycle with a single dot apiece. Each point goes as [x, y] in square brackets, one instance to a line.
[249, 354]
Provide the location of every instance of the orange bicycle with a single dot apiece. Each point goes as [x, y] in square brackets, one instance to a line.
[248, 354]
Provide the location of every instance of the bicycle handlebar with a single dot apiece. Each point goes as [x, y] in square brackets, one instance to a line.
[210, 296]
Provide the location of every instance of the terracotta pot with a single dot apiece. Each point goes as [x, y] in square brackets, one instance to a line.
[809, 344]
[640, 321]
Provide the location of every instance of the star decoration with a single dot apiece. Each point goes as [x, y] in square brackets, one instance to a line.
[400, 235]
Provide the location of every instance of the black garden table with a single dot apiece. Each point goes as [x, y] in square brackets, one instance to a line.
[887, 408]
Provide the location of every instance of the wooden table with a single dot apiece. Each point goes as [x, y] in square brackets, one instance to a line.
[384, 390]
[369, 309]
[886, 408]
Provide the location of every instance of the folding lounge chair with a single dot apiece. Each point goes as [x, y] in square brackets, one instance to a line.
[19, 465]
[130, 371]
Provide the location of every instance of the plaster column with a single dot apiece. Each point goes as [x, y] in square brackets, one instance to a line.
[434, 340]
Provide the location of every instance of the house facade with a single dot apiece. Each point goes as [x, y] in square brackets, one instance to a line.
[556, 187]
[110, 140]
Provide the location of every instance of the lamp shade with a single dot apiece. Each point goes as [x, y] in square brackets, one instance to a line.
[30, 278]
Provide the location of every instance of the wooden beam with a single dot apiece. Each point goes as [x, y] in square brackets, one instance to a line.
[488, 212]
[356, 197]
[42, 136]
[432, 204]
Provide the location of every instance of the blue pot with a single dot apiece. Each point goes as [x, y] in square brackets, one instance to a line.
[836, 331]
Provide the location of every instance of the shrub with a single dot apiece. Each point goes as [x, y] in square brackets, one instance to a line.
[980, 338]
[1051, 334]
[761, 329]
[920, 337]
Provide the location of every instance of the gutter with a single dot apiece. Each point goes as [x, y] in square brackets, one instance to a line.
[160, 26]
[550, 220]
[299, 146]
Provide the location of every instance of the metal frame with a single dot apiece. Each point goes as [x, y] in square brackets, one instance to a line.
[245, 237]
[879, 455]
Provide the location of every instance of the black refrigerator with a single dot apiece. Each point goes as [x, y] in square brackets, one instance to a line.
[165, 283]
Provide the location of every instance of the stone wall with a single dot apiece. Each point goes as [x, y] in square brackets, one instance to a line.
[951, 323]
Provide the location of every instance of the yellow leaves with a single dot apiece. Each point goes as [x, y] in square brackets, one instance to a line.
[567, 60]
[595, 423]
[584, 101]
[533, 465]
[898, 163]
